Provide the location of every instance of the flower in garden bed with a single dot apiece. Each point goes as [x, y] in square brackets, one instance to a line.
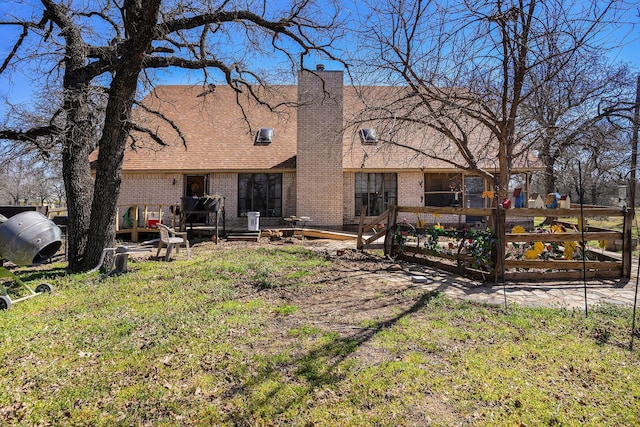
[569, 249]
[518, 229]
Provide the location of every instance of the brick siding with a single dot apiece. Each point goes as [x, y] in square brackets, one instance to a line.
[411, 189]
[348, 197]
[153, 189]
[319, 179]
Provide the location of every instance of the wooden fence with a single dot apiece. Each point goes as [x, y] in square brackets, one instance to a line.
[509, 260]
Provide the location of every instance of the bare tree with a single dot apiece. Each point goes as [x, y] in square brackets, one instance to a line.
[103, 54]
[24, 180]
[33, 168]
[470, 68]
[600, 159]
[579, 102]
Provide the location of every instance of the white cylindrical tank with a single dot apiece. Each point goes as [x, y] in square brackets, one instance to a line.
[29, 238]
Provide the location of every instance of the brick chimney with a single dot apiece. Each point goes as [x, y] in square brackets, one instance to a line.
[319, 172]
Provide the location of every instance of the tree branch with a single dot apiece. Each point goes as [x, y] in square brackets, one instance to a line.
[152, 134]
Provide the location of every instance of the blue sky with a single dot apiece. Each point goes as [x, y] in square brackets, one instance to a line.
[626, 40]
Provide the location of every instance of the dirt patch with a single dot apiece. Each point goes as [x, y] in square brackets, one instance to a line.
[359, 291]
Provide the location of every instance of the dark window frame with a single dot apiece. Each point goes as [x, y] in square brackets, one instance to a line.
[260, 192]
[443, 189]
[377, 191]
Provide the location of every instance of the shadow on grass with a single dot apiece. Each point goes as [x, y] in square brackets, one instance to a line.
[317, 368]
[40, 274]
[36, 273]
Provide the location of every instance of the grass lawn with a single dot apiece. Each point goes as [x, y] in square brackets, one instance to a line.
[227, 338]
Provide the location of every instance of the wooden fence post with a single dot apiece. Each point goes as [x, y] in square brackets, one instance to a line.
[359, 242]
[134, 229]
[391, 222]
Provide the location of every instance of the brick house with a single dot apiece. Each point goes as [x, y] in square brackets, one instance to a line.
[300, 159]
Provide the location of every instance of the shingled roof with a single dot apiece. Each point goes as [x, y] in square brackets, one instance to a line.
[219, 128]
[405, 128]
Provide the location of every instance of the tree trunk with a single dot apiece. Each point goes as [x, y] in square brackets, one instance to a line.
[594, 193]
[77, 179]
[141, 16]
[108, 174]
[549, 160]
[549, 175]
[78, 144]
[503, 174]
[78, 139]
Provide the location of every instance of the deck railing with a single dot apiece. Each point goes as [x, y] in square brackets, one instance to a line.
[136, 219]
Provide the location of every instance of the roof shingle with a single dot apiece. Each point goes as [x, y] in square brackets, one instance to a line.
[219, 128]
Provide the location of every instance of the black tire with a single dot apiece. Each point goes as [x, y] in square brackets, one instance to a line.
[44, 288]
[388, 243]
[5, 302]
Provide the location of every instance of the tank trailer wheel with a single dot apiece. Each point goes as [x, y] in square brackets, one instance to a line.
[44, 288]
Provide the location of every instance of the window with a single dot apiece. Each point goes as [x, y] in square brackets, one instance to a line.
[376, 191]
[260, 192]
[368, 136]
[264, 136]
[473, 189]
[442, 189]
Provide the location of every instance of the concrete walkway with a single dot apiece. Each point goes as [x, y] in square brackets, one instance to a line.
[552, 294]
[567, 294]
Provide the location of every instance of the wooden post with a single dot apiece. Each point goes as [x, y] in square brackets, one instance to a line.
[391, 222]
[134, 229]
[174, 218]
[393, 216]
[634, 149]
[145, 220]
[359, 242]
[217, 235]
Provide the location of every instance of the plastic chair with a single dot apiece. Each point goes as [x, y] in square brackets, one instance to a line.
[170, 238]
